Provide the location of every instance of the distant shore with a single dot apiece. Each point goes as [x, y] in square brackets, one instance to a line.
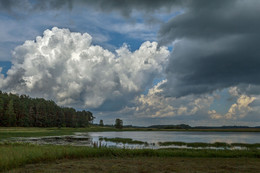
[7, 132]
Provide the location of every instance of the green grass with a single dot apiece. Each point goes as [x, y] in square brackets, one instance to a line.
[14, 155]
[123, 140]
[216, 144]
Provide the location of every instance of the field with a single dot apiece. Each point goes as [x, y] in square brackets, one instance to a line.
[16, 155]
[53, 158]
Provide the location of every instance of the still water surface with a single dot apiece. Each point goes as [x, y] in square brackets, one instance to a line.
[163, 136]
[151, 137]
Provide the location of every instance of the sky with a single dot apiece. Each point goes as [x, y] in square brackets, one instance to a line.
[143, 61]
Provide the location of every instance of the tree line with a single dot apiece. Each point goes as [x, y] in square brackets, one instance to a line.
[23, 111]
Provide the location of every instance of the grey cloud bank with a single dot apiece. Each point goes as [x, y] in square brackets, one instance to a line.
[124, 7]
[217, 46]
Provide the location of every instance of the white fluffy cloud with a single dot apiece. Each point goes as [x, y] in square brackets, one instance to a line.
[154, 104]
[66, 67]
[237, 110]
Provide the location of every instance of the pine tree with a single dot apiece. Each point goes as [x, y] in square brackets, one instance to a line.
[10, 114]
[1, 112]
[119, 123]
[32, 116]
[101, 123]
[23, 111]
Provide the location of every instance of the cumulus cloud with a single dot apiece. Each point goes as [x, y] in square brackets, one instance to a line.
[237, 110]
[155, 104]
[66, 67]
[241, 108]
[217, 47]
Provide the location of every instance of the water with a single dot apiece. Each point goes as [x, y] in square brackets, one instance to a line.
[180, 136]
[151, 137]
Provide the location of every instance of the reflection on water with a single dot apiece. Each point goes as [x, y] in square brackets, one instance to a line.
[151, 137]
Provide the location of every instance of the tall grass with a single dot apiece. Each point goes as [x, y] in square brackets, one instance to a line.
[14, 155]
[123, 140]
[216, 144]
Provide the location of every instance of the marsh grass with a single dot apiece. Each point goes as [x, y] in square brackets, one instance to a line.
[15, 155]
[216, 144]
[123, 140]
[8, 132]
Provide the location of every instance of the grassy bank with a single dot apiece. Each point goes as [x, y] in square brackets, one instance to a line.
[7, 132]
[16, 155]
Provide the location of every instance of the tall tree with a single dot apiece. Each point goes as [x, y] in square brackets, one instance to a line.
[119, 123]
[22, 110]
[1, 112]
[10, 114]
[101, 123]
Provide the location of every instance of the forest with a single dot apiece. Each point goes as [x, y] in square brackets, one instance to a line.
[23, 111]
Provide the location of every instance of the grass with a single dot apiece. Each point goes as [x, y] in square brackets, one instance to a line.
[216, 144]
[15, 155]
[123, 140]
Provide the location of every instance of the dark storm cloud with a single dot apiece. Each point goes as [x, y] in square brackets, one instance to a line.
[25, 6]
[217, 47]
[125, 7]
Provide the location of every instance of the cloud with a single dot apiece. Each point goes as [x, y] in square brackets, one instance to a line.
[214, 115]
[155, 104]
[238, 110]
[24, 20]
[241, 108]
[66, 67]
[123, 7]
[216, 48]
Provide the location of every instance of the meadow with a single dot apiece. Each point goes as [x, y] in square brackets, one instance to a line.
[15, 155]
[47, 157]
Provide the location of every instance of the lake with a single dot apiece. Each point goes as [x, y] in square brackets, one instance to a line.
[151, 137]
[182, 136]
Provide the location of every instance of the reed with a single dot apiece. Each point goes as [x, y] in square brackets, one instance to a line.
[15, 155]
[123, 140]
